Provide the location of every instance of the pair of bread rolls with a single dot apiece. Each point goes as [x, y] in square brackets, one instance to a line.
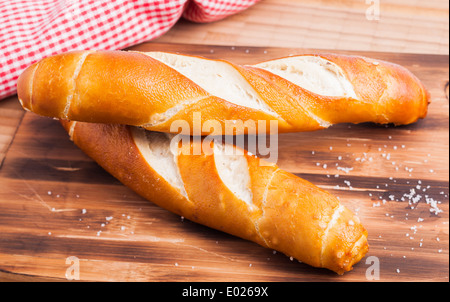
[120, 107]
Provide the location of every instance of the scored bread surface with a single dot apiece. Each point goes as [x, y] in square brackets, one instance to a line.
[264, 204]
[155, 89]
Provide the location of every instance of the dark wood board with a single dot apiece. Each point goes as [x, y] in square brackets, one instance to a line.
[56, 203]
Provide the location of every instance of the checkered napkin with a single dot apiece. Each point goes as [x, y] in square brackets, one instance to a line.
[33, 29]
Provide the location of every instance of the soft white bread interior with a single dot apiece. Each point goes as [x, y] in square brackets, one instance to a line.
[218, 78]
[229, 190]
[312, 73]
[155, 148]
[232, 167]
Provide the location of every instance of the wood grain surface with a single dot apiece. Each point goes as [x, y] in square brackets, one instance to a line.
[56, 203]
[401, 26]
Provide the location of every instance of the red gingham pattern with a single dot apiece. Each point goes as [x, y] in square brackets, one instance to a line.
[33, 29]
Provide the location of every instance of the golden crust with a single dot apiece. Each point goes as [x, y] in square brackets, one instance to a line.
[287, 213]
[135, 89]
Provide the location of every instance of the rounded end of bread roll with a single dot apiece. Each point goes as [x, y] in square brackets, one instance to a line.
[48, 87]
[345, 244]
[25, 85]
[408, 98]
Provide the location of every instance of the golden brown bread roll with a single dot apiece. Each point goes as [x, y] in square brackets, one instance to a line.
[228, 189]
[154, 89]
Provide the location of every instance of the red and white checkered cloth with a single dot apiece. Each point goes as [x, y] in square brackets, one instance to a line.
[33, 29]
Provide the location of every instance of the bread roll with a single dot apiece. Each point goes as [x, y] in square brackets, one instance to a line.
[154, 90]
[228, 189]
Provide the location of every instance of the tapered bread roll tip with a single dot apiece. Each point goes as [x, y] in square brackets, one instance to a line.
[154, 89]
[230, 190]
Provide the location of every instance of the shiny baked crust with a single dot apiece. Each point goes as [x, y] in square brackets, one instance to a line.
[285, 213]
[141, 89]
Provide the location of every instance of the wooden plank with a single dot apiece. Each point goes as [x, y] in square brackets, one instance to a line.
[402, 26]
[11, 114]
[55, 202]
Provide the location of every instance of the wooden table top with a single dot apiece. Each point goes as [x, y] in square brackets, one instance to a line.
[402, 26]
[56, 203]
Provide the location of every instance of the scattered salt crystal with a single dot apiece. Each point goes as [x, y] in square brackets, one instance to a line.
[346, 170]
[83, 211]
[49, 192]
[108, 218]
